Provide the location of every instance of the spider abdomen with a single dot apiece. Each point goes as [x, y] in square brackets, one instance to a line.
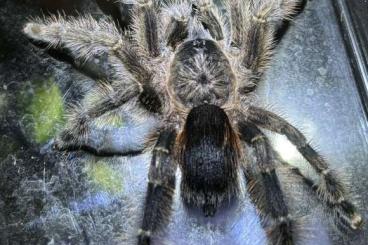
[208, 159]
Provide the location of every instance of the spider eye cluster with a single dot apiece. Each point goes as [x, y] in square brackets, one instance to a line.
[201, 73]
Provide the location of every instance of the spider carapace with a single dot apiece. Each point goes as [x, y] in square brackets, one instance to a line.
[195, 67]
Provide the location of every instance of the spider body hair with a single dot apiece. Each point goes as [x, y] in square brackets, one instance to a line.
[201, 73]
[194, 69]
[208, 156]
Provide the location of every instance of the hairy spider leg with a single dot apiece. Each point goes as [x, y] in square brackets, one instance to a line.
[145, 27]
[107, 98]
[149, 96]
[161, 187]
[204, 11]
[210, 17]
[176, 26]
[266, 193]
[99, 67]
[85, 43]
[339, 211]
[119, 11]
[330, 189]
[253, 28]
[84, 40]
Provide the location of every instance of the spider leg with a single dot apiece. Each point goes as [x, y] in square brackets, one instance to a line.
[210, 17]
[181, 13]
[176, 32]
[119, 11]
[176, 24]
[145, 27]
[338, 210]
[330, 189]
[284, 24]
[267, 193]
[253, 28]
[248, 16]
[161, 187]
[76, 133]
[81, 38]
[96, 67]
[84, 40]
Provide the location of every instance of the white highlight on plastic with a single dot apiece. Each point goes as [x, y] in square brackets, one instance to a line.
[285, 148]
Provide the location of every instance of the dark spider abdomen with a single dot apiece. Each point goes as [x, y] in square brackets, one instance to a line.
[209, 158]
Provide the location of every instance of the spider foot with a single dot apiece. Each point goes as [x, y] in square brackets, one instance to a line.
[65, 141]
[347, 218]
[59, 145]
[281, 231]
[144, 239]
[34, 31]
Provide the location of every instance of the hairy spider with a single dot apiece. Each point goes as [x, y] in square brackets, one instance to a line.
[195, 68]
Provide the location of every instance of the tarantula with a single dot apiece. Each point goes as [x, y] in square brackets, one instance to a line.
[195, 67]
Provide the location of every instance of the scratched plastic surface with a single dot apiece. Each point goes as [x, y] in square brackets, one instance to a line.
[81, 199]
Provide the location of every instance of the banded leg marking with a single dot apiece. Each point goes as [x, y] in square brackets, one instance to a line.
[161, 187]
[267, 194]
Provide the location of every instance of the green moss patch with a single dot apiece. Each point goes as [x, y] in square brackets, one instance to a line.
[43, 107]
[104, 177]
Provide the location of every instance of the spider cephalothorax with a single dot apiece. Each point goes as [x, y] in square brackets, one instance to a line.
[194, 68]
[201, 73]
